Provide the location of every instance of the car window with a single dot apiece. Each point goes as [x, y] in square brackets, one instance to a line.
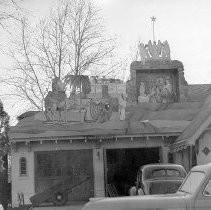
[158, 173]
[207, 189]
[172, 172]
[192, 182]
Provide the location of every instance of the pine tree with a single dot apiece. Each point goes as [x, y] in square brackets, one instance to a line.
[4, 129]
[5, 188]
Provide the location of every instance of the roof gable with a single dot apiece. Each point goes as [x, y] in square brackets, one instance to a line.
[198, 125]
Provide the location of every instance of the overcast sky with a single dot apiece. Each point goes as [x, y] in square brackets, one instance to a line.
[186, 24]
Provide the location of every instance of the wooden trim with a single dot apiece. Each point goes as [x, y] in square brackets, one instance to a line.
[95, 137]
[191, 157]
[105, 171]
[191, 140]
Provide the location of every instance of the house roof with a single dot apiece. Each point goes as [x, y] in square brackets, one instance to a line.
[41, 129]
[197, 126]
[179, 119]
[174, 111]
[161, 118]
[141, 119]
[27, 114]
[198, 92]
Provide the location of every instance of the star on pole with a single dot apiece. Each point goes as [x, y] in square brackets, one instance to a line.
[153, 19]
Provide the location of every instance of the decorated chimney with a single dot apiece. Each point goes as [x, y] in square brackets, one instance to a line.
[156, 78]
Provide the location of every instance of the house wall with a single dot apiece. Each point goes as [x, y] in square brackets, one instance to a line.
[182, 157]
[25, 184]
[204, 149]
[22, 184]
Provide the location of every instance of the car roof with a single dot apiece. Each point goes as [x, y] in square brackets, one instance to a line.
[162, 165]
[148, 168]
[205, 168]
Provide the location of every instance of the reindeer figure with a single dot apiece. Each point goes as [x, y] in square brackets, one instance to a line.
[56, 100]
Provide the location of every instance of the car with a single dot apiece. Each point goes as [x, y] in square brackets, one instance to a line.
[194, 193]
[159, 178]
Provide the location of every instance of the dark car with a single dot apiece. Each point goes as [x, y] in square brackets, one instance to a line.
[160, 178]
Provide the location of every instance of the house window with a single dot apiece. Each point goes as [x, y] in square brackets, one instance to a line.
[23, 169]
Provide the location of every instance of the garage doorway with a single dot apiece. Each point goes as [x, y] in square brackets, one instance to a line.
[59, 170]
[121, 166]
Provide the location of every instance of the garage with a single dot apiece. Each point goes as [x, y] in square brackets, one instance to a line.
[67, 172]
[121, 166]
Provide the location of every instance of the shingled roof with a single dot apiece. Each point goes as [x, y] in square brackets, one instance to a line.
[184, 119]
[198, 92]
[143, 118]
[161, 118]
[197, 126]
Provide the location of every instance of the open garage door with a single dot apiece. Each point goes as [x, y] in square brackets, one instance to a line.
[121, 167]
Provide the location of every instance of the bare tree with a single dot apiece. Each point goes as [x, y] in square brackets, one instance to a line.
[9, 10]
[65, 45]
[87, 37]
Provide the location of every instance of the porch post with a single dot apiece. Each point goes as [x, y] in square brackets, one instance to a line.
[164, 154]
[191, 157]
[98, 164]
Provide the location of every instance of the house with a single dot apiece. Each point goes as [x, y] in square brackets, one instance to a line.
[93, 145]
[194, 144]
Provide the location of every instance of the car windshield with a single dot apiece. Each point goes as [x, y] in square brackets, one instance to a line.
[192, 182]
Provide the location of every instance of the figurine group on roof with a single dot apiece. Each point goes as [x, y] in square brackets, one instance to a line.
[155, 51]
